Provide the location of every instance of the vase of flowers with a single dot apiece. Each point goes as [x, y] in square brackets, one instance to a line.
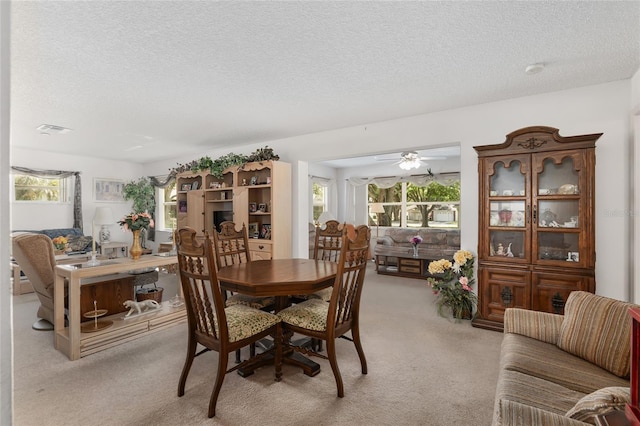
[60, 244]
[452, 282]
[414, 243]
[135, 222]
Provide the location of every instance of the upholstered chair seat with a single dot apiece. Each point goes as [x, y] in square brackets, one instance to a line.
[310, 314]
[251, 301]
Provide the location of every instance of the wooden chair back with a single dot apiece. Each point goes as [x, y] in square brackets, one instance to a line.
[328, 241]
[231, 246]
[347, 289]
[203, 297]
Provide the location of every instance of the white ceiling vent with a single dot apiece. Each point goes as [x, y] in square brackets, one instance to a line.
[52, 128]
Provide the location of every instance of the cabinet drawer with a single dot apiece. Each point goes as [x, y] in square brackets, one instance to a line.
[260, 250]
[410, 269]
[410, 262]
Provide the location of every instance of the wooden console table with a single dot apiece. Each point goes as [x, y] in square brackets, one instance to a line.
[75, 344]
[400, 261]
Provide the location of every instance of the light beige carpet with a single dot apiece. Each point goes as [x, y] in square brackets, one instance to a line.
[423, 370]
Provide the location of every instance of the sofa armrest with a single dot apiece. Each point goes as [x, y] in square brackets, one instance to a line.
[385, 240]
[515, 413]
[541, 326]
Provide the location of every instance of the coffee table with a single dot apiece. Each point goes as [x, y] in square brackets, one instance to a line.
[400, 261]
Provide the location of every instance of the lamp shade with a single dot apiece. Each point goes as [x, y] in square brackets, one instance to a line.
[324, 217]
[377, 208]
[103, 216]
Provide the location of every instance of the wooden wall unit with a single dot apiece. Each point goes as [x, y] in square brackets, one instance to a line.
[239, 196]
[536, 241]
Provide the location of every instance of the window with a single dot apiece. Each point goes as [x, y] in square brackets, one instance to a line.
[47, 190]
[407, 205]
[167, 205]
[320, 200]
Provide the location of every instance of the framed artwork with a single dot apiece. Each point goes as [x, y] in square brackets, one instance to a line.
[194, 185]
[253, 230]
[253, 207]
[262, 207]
[108, 190]
[185, 187]
[254, 180]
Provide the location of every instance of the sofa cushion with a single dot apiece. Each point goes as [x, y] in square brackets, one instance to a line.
[597, 329]
[548, 362]
[534, 391]
[61, 232]
[79, 242]
[601, 401]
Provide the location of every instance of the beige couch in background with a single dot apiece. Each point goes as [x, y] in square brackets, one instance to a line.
[564, 369]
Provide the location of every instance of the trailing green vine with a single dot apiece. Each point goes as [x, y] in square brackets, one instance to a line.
[217, 166]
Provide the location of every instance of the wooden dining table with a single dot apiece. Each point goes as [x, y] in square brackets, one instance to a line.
[280, 278]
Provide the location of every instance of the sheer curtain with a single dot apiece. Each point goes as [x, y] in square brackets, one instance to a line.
[159, 182]
[77, 192]
[332, 193]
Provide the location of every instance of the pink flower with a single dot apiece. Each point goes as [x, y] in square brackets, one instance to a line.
[464, 281]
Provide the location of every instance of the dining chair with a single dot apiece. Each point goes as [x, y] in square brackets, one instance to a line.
[318, 319]
[232, 247]
[211, 323]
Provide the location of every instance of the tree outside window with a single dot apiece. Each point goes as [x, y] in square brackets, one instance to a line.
[30, 188]
[320, 200]
[408, 205]
[167, 201]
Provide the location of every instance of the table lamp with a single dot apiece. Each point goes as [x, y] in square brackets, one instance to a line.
[377, 208]
[104, 218]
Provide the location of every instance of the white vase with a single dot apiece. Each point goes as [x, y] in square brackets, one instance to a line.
[415, 250]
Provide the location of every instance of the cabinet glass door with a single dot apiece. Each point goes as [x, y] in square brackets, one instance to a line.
[508, 178]
[557, 222]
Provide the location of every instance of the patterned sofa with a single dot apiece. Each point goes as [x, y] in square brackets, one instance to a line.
[564, 369]
[78, 242]
[443, 242]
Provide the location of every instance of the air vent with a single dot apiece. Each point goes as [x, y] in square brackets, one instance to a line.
[52, 128]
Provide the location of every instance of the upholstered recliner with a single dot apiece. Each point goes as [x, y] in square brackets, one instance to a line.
[35, 255]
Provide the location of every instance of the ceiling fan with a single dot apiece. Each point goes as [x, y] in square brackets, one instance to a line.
[410, 160]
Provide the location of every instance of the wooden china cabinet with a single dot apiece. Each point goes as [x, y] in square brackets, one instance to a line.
[536, 241]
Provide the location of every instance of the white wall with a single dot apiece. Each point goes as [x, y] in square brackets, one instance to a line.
[596, 109]
[47, 216]
[634, 257]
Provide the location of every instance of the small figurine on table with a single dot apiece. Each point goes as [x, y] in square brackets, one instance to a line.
[500, 251]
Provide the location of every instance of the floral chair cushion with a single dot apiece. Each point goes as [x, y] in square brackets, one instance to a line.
[310, 314]
[250, 301]
[243, 321]
[324, 294]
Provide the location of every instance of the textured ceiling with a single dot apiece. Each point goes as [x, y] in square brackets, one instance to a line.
[186, 77]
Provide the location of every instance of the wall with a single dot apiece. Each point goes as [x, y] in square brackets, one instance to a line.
[595, 109]
[45, 216]
[634, 158]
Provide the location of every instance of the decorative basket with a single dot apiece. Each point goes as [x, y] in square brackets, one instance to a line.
[150, 293]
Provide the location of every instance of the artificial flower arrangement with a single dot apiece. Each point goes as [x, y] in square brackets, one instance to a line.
[416, 240]
[136, 221]
[452, 283]
[60, 243]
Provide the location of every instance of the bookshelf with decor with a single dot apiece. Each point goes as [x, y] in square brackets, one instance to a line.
[257, 194]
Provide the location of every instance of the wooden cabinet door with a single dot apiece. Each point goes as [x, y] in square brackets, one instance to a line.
[503, 288]
[550, 290]
[195, 210]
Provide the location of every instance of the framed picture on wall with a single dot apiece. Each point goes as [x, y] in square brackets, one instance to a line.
[108, 190]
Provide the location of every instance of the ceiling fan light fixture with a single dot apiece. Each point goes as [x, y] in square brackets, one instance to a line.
[410, 160]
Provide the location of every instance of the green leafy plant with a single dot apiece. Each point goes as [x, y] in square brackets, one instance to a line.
[219, 165]
[452, 284]
[142, 193]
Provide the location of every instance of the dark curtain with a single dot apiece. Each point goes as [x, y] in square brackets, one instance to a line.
[77, 195]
